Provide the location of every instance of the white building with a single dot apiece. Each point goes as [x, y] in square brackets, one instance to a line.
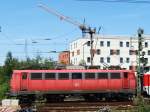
[109, 51]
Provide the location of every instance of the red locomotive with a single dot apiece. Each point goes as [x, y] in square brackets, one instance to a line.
[146, 80]
[57, 84]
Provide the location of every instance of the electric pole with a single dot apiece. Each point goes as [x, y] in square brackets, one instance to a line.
[26, 48]
[91, 32]
[140, 56]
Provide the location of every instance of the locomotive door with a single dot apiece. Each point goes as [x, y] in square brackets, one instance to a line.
[125, 80]
[76, 81]
[24, 81]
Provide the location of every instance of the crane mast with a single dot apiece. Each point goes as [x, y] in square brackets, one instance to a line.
[85, 29]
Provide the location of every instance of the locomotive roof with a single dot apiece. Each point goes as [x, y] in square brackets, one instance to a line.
[64, 70]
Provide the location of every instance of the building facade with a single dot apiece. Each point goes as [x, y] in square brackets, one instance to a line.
[108, 51]
[64, 57]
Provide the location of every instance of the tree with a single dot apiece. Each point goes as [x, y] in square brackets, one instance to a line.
[48, 64]
[10, 64]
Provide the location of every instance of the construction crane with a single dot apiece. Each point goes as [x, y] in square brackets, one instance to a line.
[85, 29]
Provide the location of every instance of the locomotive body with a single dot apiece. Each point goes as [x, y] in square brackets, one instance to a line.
[146, 83]
[93, 82]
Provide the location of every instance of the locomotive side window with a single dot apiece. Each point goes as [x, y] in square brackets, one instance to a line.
[36, 76]
[63, 76]
[50, 76]
[102, 76]
[24, 75]
[115, 75]
[89, 75]
[146, 69]
[76, 75]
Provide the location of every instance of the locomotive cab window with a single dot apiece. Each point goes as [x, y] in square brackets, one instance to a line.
[115, 75]
[63, 76]
[36, 76]
[24, 75]
[126, 75]
[102, 76]
[89, 75]
[50, 76]
[76, 75]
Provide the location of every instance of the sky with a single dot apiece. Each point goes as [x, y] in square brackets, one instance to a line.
[25, 27]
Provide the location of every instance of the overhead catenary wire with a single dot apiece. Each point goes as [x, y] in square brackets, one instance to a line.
[121, 1]
[6, 36]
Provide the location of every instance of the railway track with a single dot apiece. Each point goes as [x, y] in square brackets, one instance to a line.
[83, 106]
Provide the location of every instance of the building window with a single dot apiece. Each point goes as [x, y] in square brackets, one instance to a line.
[133, 52]
[98, 51]
[72, 53]
[148, 52]
[88, 43]
[143, 53]
[121, 60]
[146, 44]
[88, 59]
[108, 43]
[101, 60]
[111, 52]
[127, 60]
[127, 44]
[108, 59]
[121, 44]
[78, 52]
[118, 52]
[101, 43]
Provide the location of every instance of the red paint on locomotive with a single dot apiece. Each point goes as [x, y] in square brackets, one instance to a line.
[123, 81]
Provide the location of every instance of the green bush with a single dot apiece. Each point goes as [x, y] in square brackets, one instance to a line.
[3, 89]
